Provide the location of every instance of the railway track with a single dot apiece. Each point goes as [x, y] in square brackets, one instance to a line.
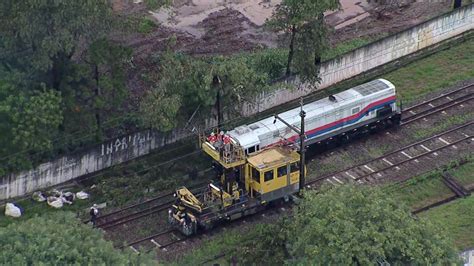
[161, 240]
[375, 169]
[140, 210]
[438, 104]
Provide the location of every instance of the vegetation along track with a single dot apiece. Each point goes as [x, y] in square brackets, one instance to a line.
[450, 182]
[376, 169]
[438, 104]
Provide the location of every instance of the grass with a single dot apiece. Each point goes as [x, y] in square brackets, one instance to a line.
[347, 46]
[146, 25]
[422, 190]
[455, 218]
[31, 208]
[447, 123]
[440, 70]
[465, 175]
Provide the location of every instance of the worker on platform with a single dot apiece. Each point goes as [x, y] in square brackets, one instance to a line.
[212, 138]
[220, 137]
[226, 141]
[94, 212]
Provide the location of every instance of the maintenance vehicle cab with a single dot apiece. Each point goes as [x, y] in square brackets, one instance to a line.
[244, 184]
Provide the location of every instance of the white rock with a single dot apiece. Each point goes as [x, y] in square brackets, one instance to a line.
[38, 196]
[82, 195]
[55, 202]
[12, 210]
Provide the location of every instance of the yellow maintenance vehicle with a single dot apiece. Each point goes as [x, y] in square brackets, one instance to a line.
[243, 185]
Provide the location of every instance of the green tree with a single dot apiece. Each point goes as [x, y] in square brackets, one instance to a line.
[347, 225]
[185, 84]
[40, 37]
[303, 22]
[60, 45]
[353, 225]
[29, 120]
[60, 239]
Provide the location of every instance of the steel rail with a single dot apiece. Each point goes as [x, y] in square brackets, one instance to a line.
[414, 157]
[147, 212]
[148, 238]
[167, 194]
[322, 178]
[439, 97]
[437, 109]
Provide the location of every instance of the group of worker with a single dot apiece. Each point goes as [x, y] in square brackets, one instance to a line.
[222, 143]
[217, 140]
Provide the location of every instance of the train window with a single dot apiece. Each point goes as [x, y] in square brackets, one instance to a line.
[282, 171]
[251, 149]
[255, 175]
[295, 167]
[258, 147]
[268, 176]
[355, 110]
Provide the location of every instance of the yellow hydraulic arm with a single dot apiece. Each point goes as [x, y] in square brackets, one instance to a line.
[188, 199]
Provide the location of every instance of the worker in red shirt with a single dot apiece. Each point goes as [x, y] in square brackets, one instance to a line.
[212, 138]
[226, 139]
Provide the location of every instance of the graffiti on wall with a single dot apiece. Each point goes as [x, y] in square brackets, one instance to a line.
[123, 143]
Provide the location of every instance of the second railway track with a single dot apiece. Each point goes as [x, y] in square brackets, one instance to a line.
[375, 169]
[438, 104]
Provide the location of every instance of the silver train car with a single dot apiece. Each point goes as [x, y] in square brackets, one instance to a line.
[339, 117]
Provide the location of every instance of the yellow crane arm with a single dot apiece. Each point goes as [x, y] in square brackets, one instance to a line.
[188, 199]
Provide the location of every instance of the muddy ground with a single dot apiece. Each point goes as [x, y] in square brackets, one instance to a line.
[223, 27]
[205, 27]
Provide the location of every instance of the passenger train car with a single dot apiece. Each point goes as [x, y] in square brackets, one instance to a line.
[371, 105]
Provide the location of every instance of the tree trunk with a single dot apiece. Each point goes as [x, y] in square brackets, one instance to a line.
[97, 94]
[457, 4]
[219, 111]
[291, 52]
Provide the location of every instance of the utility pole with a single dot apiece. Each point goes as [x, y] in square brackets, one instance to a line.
[302, 135]
[216, 82]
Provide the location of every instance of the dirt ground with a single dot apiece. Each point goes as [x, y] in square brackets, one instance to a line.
[209, 27]
[223, 27]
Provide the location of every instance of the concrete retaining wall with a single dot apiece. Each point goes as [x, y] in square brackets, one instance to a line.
[333, 71]
[374, 55]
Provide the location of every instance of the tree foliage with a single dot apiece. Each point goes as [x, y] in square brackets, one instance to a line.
[64, 77]
[28, 122]
[38, 37]
[359, 226]
[303, 22]
[186, 84]
[347, 225]
[61, 240]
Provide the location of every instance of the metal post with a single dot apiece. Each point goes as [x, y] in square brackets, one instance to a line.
[302, 135]
[302, 146]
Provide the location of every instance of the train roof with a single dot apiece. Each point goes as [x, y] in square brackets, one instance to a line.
[272, 157]
[247, 135]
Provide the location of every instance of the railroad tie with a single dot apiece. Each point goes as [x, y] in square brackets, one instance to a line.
[337, 180]
[135, 250]
[444, 141]
[404, 153]
[156, 243]
[351, 176]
